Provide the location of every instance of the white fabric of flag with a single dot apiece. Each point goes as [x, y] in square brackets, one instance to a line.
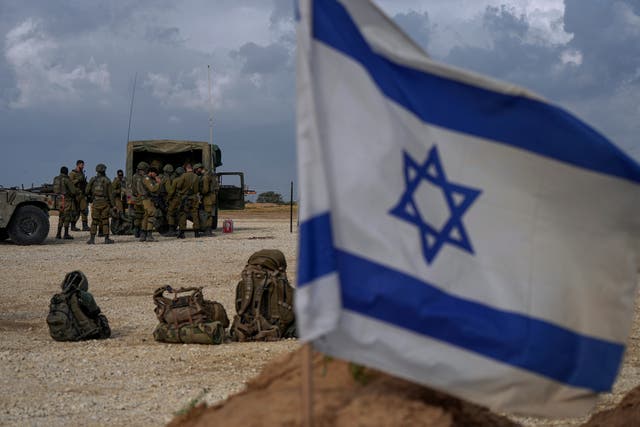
[456, 231]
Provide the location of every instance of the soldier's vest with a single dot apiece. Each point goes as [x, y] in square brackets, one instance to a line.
[136, 183]
[78, 179]
[99, 188]
[264, 299]
[58, 186]
[208, 184]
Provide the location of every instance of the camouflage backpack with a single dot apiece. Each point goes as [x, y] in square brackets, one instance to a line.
[57, 185]
[73, 313]
[264, 299]
[186, 317]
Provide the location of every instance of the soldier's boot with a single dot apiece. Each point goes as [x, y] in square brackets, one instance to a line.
[208, 232]
[180, 234]
[136, 232]
[92, 239]
[67, 236]
[85, 226]
[73, 226]
[196, 233]
[59, 233]
[150, 237]
[107, 240]
[143, 236]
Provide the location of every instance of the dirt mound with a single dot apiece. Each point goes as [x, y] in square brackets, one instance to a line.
[344, 395]
[627, 413]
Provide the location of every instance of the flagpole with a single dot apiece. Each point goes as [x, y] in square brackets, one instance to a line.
[307, 386]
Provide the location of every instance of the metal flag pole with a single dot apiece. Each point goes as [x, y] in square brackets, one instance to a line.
[210, 106]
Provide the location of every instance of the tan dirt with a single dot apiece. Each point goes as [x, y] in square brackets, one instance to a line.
[133, 380]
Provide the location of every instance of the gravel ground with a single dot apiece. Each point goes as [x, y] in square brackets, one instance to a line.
[131, 379]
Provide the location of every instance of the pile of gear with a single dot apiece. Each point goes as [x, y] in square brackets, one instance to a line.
[264, 308]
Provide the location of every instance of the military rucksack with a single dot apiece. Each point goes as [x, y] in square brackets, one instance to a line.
[264, 299]
[68, 319]
[186, 317]
[57, 185]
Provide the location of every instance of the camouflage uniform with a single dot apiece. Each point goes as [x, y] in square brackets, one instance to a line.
[138, 207]
[186, 188]
[82, 208]
[62, 183]
[209, 191]
[174, 201]
[166, 192]
[100, 191]
[118, 188]
[147, 188]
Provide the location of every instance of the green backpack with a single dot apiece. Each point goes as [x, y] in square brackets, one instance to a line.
[73, 313]
[264, 299]
[186, 317]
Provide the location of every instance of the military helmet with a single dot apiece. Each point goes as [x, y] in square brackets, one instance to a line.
[167, 168]
[179, 170]
[197, 166]
[100, 167]
[143, 166]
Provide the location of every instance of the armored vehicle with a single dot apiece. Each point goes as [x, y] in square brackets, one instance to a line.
[24, 216]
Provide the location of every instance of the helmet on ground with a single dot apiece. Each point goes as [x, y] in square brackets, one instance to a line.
[168, 168]
[179, 170]
[143, 166]
[100, 167]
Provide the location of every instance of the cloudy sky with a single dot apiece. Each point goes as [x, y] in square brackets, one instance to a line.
[67, 72]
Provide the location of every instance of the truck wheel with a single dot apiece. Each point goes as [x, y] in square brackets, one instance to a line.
[29, 225]
[3, 234]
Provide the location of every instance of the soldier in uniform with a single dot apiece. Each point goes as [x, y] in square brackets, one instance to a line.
[100, 191]
[149, 186]
[166, 192]
[186, 189]
[62, 185]
[174, 202]
[138, 208]
[119, 190]
[209, 189]
[79, 179]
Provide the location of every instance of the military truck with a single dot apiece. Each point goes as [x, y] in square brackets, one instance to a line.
[159, 152]
[24, 215]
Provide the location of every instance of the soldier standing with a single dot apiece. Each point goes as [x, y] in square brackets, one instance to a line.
[166, 193]
[119, 190]
[186, 188]
[174, 202]
[62, 185]
[100, 191]
[149, 186]
[138, 207]
[209, 188]
[80, 181]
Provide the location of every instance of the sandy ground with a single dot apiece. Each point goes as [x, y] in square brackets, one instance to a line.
[131, 379]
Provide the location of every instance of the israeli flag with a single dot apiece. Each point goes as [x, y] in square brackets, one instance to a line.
[456, 231]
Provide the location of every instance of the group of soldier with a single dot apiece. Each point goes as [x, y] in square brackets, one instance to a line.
[155, 199]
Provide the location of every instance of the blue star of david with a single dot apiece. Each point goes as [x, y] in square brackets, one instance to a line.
[457, 197]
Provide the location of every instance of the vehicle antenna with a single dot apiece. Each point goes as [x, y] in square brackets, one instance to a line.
[210, 106]
[133, 94]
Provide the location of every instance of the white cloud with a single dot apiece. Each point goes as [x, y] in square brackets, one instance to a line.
[41, 77]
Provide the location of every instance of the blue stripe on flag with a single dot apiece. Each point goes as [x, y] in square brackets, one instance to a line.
[513, 120]
[317, 257]
[379, 292]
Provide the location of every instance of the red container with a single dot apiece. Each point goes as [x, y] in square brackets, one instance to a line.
[227, 226]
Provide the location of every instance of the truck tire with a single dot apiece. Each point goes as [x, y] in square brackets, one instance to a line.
[29, 225]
